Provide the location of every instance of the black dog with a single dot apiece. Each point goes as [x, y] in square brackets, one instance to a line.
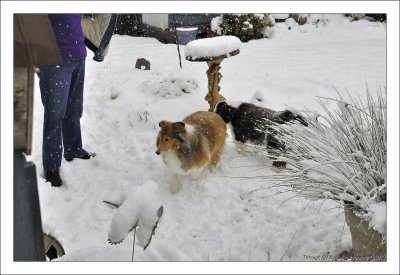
[252, 123]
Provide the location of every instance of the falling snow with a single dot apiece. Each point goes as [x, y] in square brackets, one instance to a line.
[231, 214]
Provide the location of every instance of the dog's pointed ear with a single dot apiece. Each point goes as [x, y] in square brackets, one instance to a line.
[162, 123]
[179, 131]
[219, 106]
[180, 137]
[225, 111]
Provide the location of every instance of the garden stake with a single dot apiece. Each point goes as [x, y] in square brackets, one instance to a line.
[179, 52]
[133, 246]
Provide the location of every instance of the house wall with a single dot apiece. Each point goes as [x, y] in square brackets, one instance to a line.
[162, 26]
[200, 20]
[158, 20]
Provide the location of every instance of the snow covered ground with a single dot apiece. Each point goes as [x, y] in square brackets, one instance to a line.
[221, 216]
[231, 214]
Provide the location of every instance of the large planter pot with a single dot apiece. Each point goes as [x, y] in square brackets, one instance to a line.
[185, 35]
[368, 244]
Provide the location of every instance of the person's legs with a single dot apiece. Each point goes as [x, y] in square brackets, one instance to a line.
[71, 128]
[54, 87]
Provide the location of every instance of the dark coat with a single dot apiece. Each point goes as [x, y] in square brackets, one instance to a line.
[69, 36]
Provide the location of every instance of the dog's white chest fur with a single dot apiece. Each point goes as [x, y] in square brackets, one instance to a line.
[174, 165]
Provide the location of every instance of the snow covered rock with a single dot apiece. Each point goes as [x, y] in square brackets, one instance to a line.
[142, 64]
[290, 23]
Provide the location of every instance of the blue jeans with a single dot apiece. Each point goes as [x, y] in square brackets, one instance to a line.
[61, 88]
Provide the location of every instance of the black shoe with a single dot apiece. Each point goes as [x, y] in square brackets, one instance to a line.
[54, 178]
[279, 164]
[85, 156]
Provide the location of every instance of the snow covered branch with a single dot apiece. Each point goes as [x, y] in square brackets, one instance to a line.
[138, 211]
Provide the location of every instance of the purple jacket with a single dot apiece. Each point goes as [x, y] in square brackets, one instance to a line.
[70, 38]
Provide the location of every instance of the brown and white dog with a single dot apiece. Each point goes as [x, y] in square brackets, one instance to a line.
[189, 146]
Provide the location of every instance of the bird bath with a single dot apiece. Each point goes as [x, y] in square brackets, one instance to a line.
[213, 51]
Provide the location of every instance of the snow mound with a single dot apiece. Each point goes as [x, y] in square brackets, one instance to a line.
[174, 84]
[290, 23]
[280, 16]
[115, 91]
[212, 47]
[377, 217]
[215, 25]
[139, 209]
[258, 99]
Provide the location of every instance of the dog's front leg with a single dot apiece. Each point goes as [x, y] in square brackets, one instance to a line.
[176, 184]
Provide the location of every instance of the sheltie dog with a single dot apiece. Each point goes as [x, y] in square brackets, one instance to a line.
[190, 145]
[253, 124]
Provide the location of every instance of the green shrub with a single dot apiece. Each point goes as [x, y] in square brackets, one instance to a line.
[129, 24]
[379, 17]
[245, 26]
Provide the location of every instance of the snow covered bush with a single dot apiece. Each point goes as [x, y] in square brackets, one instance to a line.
[341, 155]
[318, 19]
[290, 23]
[244, 26]
[175, 83]
[216, 23]
[373, 17]
[300, 19]
[355, 16]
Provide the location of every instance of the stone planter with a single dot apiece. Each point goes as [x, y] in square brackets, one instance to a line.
[53, 249]
[368, 244]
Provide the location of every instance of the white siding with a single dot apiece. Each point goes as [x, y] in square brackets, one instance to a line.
[159, 20]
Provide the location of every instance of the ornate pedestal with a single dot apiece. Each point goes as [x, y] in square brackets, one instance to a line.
[214, 76]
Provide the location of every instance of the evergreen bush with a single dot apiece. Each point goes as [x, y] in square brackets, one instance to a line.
[245, 26]
[129, 24]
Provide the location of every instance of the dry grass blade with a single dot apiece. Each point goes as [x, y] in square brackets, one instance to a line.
[342, 156]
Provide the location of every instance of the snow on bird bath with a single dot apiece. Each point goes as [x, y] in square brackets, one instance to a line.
[212, 47]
